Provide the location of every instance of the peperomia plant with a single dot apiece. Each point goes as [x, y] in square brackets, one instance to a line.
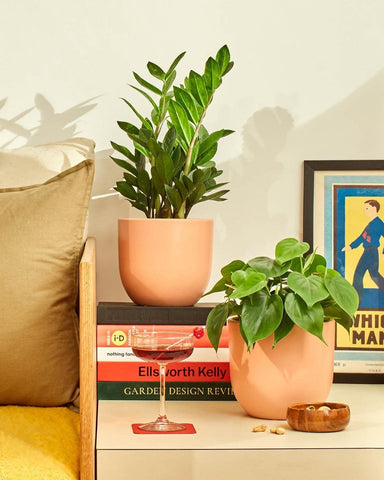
[170, 167]
[270, 296]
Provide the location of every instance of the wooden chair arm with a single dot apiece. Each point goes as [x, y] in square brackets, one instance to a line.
[88, 396]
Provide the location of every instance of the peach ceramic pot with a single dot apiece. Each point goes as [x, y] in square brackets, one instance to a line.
[266, 381]
[165, 262]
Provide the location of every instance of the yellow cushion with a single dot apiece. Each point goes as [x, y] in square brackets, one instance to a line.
[39, 443]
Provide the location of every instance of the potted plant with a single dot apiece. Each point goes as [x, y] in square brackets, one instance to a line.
[281, 327]
[165, 259]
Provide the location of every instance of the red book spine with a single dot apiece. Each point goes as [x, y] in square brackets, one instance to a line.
[176, 372]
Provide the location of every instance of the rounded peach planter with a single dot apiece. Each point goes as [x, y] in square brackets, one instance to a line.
[165, 262]
[266, 381]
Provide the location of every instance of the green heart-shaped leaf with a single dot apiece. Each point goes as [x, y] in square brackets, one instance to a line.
[332, 273]
[227, 270]
[247, 282]
[219, 286]
[334, 312]
[341, 291]
[290, 248]
[309, 319]
[260, 316]
[297, 265]
[311, 289]
[283, 329]
[312, 262]
[268, 266]
[215, 322]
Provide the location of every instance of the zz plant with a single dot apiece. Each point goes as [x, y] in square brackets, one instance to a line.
[270, 296]
[169, 167]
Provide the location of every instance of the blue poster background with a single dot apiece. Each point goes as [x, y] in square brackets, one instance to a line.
[334, 241]
[373, 298]
[329, 182]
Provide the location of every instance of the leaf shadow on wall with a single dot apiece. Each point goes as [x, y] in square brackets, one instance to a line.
[240, 222]
[266, 179]
[53, 126]
[42, 124]
[264, 137]
[12, 125]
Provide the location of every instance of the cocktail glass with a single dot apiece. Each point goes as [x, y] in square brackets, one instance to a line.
[162, 347]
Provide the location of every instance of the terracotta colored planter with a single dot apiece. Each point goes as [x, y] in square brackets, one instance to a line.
[165, 262]
[298, 370]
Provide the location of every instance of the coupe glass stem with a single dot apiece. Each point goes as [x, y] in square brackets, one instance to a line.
[162, 411]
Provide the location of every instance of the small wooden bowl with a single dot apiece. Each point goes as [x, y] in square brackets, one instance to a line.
[300, 417]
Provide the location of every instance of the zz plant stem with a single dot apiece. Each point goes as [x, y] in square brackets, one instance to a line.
[194, 139]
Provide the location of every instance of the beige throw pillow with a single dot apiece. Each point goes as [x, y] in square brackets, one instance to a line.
[41, 229]
[36, 164]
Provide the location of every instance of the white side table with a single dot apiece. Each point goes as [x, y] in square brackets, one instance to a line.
[225, 447]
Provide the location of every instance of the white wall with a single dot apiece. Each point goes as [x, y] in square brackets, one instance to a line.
[308, 83]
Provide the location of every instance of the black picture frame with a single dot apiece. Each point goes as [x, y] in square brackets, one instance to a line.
[320, 178]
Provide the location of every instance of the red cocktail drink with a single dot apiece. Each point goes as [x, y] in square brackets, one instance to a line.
[163, 348]
[162, 354]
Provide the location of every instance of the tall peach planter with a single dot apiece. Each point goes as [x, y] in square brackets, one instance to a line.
[165, 262]
[266, 381]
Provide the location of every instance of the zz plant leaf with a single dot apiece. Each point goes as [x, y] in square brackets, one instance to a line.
[170, 142]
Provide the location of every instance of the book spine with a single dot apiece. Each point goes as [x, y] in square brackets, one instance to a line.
[125, 354]
[122, 312]
[120, 335]
[174, 391]
[176, 372]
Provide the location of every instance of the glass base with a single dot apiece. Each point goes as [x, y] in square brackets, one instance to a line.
[162, 424]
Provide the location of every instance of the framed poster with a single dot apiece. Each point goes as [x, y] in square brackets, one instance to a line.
[343, 217]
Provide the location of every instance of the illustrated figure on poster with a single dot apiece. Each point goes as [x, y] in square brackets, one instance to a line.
[370, 239]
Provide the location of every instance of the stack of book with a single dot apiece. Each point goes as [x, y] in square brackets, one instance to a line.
[122, 376]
